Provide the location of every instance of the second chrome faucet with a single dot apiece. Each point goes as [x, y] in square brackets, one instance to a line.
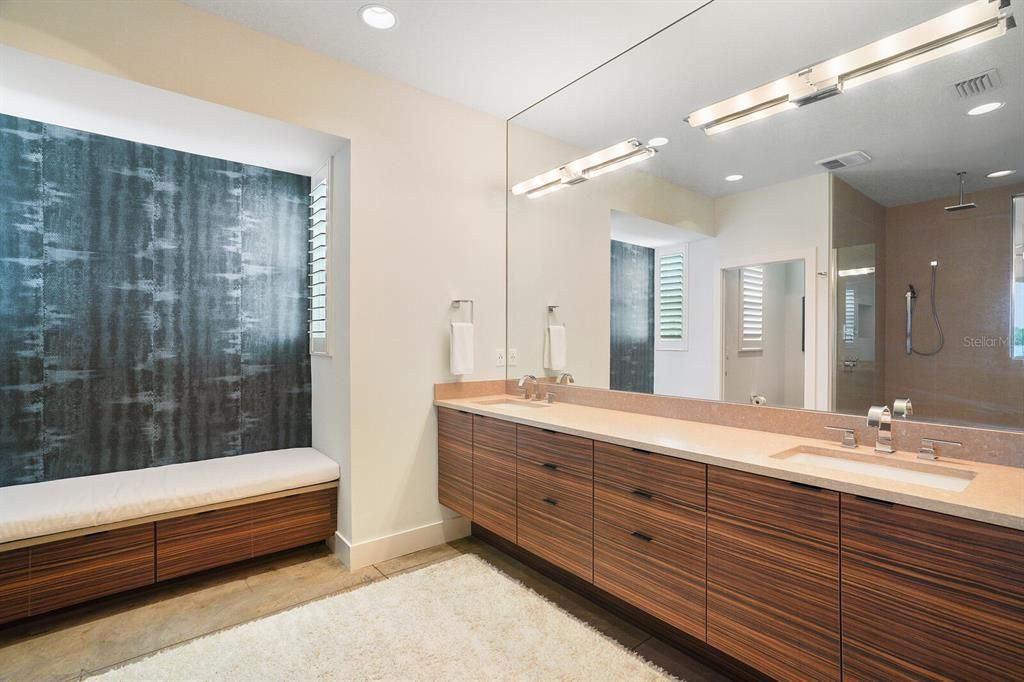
[879, 417]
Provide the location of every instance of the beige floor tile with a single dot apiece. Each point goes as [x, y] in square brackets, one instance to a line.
[100, 635]
[677, 663]
[419, 559]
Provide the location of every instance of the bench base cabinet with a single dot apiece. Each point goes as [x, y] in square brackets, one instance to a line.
[53, 575]
[749, 564]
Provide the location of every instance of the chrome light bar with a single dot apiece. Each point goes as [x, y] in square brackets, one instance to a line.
[957, 30]
[600, 162]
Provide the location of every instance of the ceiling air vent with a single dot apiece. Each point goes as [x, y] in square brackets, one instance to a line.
[976, 85]
[845, 160]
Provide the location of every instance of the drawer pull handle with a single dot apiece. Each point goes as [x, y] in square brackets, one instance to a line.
[98, 534]
[639, 451]
[548, 431]
[643, 493]
[805, 486]
[553, 503]
[641, 536]
[549, 465]
[874, 501]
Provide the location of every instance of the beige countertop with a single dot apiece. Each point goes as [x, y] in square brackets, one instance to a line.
[995, 495]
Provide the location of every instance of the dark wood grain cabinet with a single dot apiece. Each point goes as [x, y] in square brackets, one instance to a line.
[555, 498]
[14, 585]
[928, 596]
[773, 574]
[79, 569]
[649, 533]
[494, 475]
[455, 460]
[795, 581]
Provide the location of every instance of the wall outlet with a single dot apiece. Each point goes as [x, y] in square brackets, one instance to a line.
[499, 357]
[513, 357]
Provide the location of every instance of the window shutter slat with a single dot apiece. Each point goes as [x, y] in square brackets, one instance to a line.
[671, 272]
[751, 308]
[319, 212]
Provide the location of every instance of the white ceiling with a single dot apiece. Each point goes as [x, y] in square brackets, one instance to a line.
[635, 229]
[911, 123]
[497, 56]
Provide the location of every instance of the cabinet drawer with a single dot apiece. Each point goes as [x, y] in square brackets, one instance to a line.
[558, 449]
[773, 599]
[199, 541]
[494, 491]
[14, 584]
[292, 521]
[655, 573]
[929, 596]
[565, 539]
[668, 478]
[78, 569]
[797, 509]
[684, 526]
[494, 435]
[574, 493]
[455, 460]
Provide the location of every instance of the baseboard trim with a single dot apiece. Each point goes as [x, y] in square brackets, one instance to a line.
[361, 554]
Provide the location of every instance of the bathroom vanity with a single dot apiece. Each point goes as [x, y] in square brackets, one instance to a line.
[796, 569]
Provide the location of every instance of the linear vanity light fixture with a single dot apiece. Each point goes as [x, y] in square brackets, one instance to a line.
[600, 162]
[853, 272]
[948, 33]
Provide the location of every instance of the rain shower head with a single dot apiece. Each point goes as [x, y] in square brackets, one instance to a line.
[961, 206]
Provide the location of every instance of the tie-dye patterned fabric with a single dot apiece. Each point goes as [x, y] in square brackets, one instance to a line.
[152, 305]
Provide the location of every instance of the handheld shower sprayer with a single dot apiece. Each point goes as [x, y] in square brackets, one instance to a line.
[911, 297]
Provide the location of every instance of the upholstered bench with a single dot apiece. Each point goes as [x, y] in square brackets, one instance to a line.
[67, 541]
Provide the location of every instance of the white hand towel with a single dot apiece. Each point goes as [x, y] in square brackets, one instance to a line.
[462, 348]
[554, 348]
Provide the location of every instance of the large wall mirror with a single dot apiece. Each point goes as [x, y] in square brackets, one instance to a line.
[745, 209]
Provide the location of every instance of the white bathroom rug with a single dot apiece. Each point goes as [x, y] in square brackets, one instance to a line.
[461, 619]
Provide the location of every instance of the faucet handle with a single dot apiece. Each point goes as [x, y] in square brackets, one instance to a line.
[849, 436]
[878, 415]
[927, 450]
[902, 408]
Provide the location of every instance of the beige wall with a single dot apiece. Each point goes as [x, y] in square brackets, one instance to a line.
[427, 225]
[559, 251]
[969, 383]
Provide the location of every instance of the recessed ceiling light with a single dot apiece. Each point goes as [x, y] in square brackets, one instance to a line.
[733, 178]
[985, 108]
[657, 141]
[1000, 174]
[378, 17]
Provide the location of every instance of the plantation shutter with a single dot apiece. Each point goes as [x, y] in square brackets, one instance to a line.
[752, 308]
[850, 317]
[671, 308]
[319, 215]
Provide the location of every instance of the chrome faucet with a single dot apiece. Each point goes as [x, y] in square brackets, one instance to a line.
[927, 450]
[880, 418]
[902, 408]
[524, 381]
[568, 378]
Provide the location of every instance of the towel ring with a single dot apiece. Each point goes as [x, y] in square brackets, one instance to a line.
[457, 304]
[551, 314]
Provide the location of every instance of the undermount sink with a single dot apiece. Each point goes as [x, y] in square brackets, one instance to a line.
[512, 405]
[880, 466]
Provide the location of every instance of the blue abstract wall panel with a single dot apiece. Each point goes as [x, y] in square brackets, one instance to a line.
[632, 318]
[152, 305]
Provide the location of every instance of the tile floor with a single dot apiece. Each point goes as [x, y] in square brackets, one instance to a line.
[74, 643]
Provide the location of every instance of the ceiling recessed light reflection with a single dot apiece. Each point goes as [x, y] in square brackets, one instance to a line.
[657, 142]
[1000, 174]
[378, 17]
[733, 178]
[985, 108]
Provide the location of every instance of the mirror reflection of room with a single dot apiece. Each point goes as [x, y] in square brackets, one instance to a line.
[889, 193]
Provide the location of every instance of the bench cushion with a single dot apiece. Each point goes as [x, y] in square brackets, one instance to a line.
[36, 509]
